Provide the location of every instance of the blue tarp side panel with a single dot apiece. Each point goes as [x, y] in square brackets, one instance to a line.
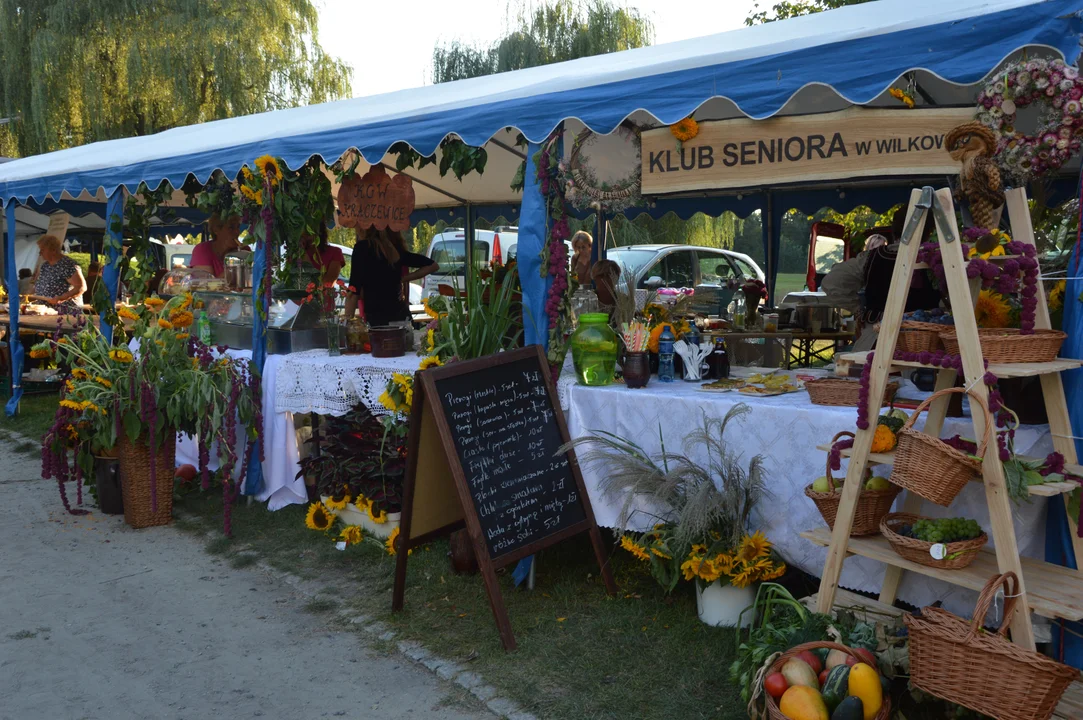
[114, 230]
[533, 234]
[859, 68]
[15, 347]
[254, 480]
[1067, 643]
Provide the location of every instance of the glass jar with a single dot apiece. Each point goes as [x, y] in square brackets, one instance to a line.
[594, 349]
[335, 335]
[737, 311]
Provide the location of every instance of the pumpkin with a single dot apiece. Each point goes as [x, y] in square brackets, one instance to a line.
[883, 440]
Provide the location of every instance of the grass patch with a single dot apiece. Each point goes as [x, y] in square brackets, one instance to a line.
[581, 653]
[317, 606]
[218, 546]
[22, 635]
[35, 416]
[242, 561]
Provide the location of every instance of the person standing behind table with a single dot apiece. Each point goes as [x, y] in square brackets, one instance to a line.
[582, 243]
[377, 279]
[323, 255]
[58, 279]
[210, 255]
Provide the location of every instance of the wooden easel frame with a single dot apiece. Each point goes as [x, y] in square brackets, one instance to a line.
[422, 410]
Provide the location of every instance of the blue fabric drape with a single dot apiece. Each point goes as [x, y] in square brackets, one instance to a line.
[254, 478]
[114, 231]
[14, 346]
[533, 234]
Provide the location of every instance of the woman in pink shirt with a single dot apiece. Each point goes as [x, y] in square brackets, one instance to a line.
[323, 255]
[210, 255]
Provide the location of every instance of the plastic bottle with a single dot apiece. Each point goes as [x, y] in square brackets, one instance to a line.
[204, 328]
[692, 336]
[665, 354]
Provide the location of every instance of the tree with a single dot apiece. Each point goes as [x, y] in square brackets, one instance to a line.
[785, 9]
[78, 71]
[555, 32]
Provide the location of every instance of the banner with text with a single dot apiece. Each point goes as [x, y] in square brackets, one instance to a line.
[854, 143]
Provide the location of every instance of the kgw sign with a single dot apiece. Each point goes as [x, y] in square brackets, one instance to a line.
[853, 143]
[376, 200]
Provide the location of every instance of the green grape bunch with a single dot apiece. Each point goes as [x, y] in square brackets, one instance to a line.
[943, 530]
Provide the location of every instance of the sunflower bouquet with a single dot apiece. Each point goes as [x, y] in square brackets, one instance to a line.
[168, 383]
[672, 558]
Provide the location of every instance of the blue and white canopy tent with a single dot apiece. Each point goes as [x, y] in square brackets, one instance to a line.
[814, 64]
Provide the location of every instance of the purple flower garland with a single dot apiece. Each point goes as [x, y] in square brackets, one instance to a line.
[555, 257]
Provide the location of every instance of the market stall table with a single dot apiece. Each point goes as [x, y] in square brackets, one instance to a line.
[786, 430]
[314, 382]
[804, 349]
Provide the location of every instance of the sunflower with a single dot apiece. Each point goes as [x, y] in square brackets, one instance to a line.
[165, 324]
[154, 303]
[992, 310]
[87, 405]
[337, 503]
[902, 96]
[661, 552]
[377, 517]
[103, 381]
[127, 314]
[754, 546]
[63, 341]
[430, 339]
[121, 356]
[390, 542]
[633, 547]
[39, 353]
[255, 196]
[186, 302]
[699, 549]
[80, 374]
[319, 517]
[71, 405]
[181, 318]
[429, 309]
[996, 251]
[724, 563]
[387, 401]
[742, 578]
[1056, 295]
[69, 386]
[690, 567]
[685, 130]
[247, 174]
[182, 336]
[362, 503]
[778, 572]
[351, 534]
[269, 168]
[430, 361]
[708, 571]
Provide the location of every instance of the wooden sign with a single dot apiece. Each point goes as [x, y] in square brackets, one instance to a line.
[853, 143]
[376, 200]
[484, 451]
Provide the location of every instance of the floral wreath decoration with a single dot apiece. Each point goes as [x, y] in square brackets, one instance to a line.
[1058, 90]
[581, 186]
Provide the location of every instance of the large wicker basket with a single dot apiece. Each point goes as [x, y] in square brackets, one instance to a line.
[916, 337]
[957, 554]
[931, 468]
[842, 391]
[872, 505]
[139, 511]
[958, 661]
[772, 705]
[1009, 345]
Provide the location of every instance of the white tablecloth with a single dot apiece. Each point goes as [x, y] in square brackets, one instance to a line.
[312, 381]
[786, 430]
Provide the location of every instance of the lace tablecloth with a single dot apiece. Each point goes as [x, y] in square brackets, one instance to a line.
[311, 381]
[786, 430]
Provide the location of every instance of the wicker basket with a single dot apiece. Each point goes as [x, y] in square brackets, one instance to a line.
[772, 705]
[931, 468]
[915, 337]
[958, 554]
[842, 391]
[958, 661]
[872, 505]
[135, 477]
[1009, 345]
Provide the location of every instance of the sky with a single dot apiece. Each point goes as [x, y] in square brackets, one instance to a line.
[390, 44]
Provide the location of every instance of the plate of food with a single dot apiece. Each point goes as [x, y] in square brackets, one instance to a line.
[723, 385]
[768, 390]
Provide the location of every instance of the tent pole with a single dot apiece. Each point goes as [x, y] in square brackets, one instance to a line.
[469, 270]
[15, 346]
[769, 247]
[253, 481]
[114, 237]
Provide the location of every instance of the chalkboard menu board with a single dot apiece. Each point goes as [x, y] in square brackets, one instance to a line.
[483, 453]
[505, 432]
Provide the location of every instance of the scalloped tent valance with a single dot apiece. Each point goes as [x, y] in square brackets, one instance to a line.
[821, 62]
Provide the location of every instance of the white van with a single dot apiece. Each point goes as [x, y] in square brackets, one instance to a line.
[448, 250]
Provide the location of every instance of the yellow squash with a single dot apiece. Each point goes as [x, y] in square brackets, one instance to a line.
[865, 684]
[803, 703]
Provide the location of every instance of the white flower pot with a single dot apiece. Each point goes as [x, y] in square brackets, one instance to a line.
[721, 605]
[350, 515]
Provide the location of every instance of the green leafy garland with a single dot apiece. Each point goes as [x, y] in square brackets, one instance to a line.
[455, 156]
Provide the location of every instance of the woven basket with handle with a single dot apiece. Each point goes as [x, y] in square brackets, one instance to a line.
[1010, 345]
[134, 458]
[957, 554]
[931, 468]
[872, 505]
[915, 337]
[772, 705]
[842, 392]
[960, 662]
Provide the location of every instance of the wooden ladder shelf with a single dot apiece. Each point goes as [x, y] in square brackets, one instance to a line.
[1049, 590]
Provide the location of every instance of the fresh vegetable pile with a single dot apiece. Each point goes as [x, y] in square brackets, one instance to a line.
[942, 530]
[823, 684]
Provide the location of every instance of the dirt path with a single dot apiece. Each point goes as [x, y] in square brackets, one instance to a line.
[100, 621]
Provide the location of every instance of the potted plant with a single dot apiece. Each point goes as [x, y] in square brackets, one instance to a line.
[700, 515]
[137, 400]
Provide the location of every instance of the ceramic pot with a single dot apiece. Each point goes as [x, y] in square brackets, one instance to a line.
[637, 369]
[721, 605]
